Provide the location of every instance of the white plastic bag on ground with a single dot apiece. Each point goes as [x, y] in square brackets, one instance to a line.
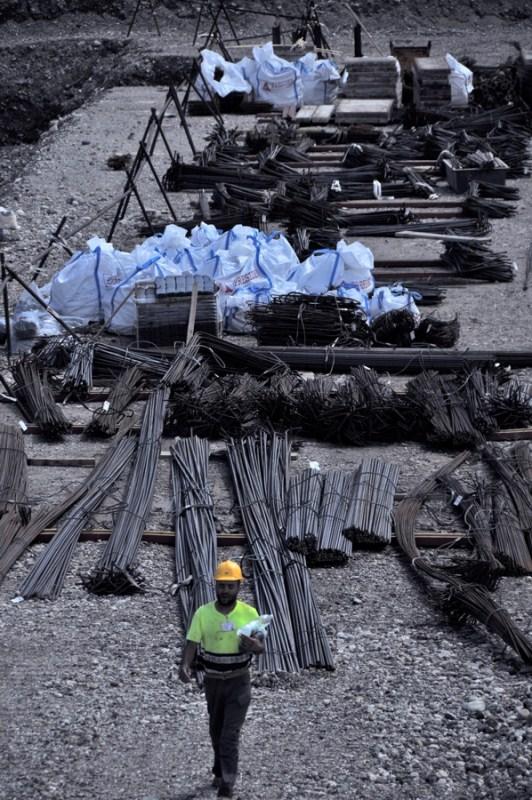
[203, 234]
[358, 264]
[460, 80]
[393, 298]
[221, 76]
[276, 81]
[320, 79]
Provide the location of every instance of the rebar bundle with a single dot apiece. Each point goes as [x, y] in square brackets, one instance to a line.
[110, 361]
[476, 260]
[195, 530]
[395, 327]
[53, 352]
[443, 415]
[185, 366]
[463, 600]
[438, 332]
[77, 380]
[47, 576]
[517, 488]
[303, 510]
[369, 516]
[332, 547]
[36, 401]
[225, 356]
[509, 542]
[113, 573]
[13, 472]
[107, 419]
[259, 466]
[307, 319]
[265, 544]
[477, 205]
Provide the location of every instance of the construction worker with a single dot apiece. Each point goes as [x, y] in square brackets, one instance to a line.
[225, 657]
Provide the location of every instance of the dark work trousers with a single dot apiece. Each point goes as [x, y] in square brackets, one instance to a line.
[227, 703]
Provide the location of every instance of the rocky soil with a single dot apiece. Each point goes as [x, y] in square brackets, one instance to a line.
[90, 704]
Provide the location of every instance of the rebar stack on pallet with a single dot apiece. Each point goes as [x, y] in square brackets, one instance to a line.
[281, 579]
[195, 530]
[369, 516]
[47, 576]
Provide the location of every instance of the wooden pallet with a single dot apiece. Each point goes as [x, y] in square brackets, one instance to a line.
[377, 112]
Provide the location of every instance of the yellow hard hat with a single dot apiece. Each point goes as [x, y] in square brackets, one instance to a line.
[228, 571]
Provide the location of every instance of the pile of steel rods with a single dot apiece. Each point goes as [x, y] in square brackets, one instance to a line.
[259, 466]
[224, 356]
[464, 600]
[332, 547]
[303, 510]
[111, 360]
[47, 576]
[13, 472]
[307, 319]
[113, 573]
[107, 419]
[517, 488]
[443, 416]
[195, 530]
[369, 516]
[477, 260]
[77, 380]
[265, 544]
[53, 352]
[44, 517]
[509, 541]
[36, 401]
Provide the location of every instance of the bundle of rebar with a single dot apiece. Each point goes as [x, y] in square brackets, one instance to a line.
[308, 319]
[442, 413]
[35, 399]
[463, 600]
[77, 379]
[53, 352]
[107, 419]
[369, 516]
[497, 191]
[185, 366]
[195, 529]
[517, 488]
[438, 332]
[511, 404]
[394, 327]
[47, 576]
[477, 205]
[265, 544]
[13, 472]
[303, 510]
[332, 548]
[111, 360]
[115, 571]
[224, 356]
[259, 466]
[509, 541]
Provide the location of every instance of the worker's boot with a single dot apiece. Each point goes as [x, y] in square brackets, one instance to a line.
[225, 790]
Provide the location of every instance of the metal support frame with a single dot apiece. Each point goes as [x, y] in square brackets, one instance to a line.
[136, 11]
[4, 271]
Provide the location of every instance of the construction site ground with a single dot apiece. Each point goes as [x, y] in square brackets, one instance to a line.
[90, 702]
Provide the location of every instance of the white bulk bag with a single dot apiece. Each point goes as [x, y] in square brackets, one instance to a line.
[77, 290]
[320, 79]
[231, 79]
[358, 266]
[321, 271]
[276, 81]
[460, 80]
[393, 298]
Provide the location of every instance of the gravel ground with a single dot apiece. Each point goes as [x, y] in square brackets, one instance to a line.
[90, 704]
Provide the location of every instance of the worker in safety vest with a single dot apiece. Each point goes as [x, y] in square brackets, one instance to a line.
[212, 639]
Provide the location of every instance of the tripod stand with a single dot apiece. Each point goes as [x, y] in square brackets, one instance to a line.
[151, 7]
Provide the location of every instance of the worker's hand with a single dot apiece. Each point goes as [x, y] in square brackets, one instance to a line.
[185, 673]
[249, 644]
